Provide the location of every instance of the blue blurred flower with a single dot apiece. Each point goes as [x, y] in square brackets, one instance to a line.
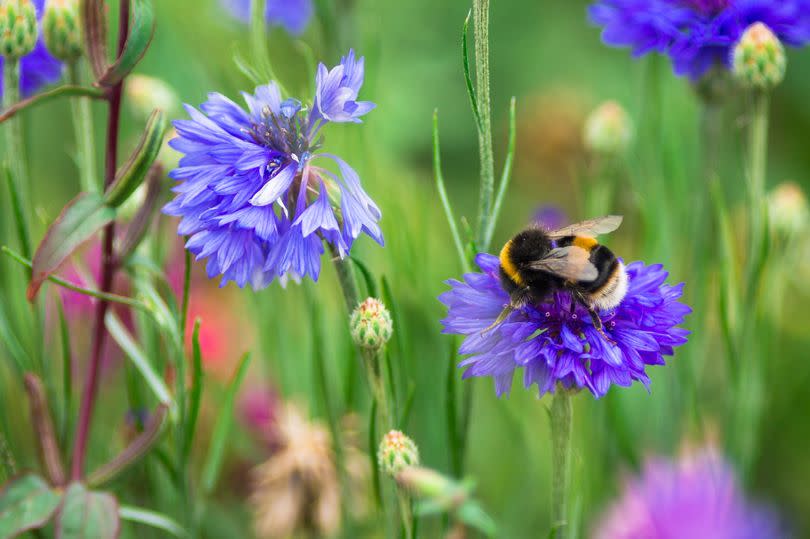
[37, 68]
[696, 496]
[294, 15]
[250, 195]
[553, 345]
[696, 34]
[550, 217]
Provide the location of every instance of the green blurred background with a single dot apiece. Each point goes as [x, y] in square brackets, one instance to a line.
[551, 59]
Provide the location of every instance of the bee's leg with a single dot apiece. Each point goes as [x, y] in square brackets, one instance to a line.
[597, 324]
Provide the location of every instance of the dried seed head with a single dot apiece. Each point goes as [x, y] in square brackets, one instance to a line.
[759, 60]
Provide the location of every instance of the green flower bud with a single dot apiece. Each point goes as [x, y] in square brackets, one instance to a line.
[371, 324]
[18, 28]
[759, 58]
[608, 129]
[145, 94]
[61, 29]
[396, 453]
[787, 209]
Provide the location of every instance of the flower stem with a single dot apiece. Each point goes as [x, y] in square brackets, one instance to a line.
[83, 129]
[107, 268]
[561, 423]
[14, 147]
[481, 32]
[372, 361]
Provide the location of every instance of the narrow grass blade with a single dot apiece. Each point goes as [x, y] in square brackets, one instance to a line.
[448, 209]
[368, 278]
[465, 60]
[372, 454]
[196, 390]
[153, 519]
[67, 377]
[155, 382]
[20, 222]
[506, 175]
[222, 429]
[22, 362]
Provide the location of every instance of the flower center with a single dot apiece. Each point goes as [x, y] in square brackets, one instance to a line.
[709, 7]
[287, 132]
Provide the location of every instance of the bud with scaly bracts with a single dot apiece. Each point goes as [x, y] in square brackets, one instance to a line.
[61, 29]
[759, 58]
[18, 28]
[371, 324]
[396, 453]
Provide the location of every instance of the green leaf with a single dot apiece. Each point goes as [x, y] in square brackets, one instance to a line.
[473, 515]
[26, 503]
[80, 219]
[448, 209]
[132, 173]
[87, 515]
[95, 34]
[222, 429]
[20, 222]
[368, 278]
[151, 518]
[8, 337]
[465, 60]
[155, 382]
[141, 30]
[196, 390]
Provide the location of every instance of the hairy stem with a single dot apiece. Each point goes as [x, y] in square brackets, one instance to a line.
[83, 129]
[481, 32]
[107, 268]
[561, 426]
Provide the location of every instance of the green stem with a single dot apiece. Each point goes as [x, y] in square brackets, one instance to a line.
[348, 282]
[14, 141]
[561, 423]
[83, 129]
[481, 32]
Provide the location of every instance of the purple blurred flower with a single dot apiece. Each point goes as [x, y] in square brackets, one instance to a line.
[37, 68]
[696, 34]
[294, 15]
[696, 496]
[250, 196]
[553, 345]
[550, 217]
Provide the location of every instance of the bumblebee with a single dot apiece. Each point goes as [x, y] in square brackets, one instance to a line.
[536, 262]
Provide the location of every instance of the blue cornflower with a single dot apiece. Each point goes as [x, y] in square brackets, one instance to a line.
[37, 68]
[696, 34]
[555, 346]
[695, 496]
[250, 195]
[293, 15]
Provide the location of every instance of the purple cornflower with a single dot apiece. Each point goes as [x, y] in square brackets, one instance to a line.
[293, 15]
[696, 496]
[37, 68]
[250, 195]
[554, 346]
[696, 34]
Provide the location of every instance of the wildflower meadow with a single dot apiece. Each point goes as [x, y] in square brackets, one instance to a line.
[370, 269]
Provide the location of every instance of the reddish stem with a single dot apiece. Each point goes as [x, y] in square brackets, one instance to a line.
[108, 266]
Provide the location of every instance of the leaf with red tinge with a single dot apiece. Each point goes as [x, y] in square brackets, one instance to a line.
[140, 36]
[86, 514]
[26, 503]
[80, 219]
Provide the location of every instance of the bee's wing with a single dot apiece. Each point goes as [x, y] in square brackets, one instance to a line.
[591, 227]
[571, 263]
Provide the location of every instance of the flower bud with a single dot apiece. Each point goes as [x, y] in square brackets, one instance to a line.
[371, 324]
[758, 59]
[787, 209]
[61, 30]
[145, 94]
[396, 453]
[18, 28]
[608, 129]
